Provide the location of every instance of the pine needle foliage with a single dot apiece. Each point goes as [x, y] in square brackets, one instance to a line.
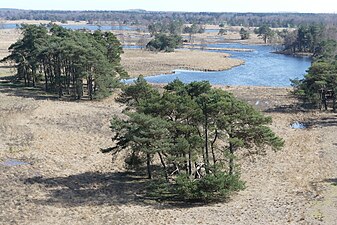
[191, 132]
[68, 62]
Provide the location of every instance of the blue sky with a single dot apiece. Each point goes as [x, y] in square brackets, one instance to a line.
[309, 6]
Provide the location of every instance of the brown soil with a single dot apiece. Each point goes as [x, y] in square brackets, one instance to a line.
[68, 180]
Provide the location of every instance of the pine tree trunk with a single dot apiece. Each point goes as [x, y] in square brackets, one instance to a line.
[45, 77]
[325, 103]
[25, 78]
[231, 158]
[212, 146]
[90, 87]
[324, 100]
[189, 163]
[60, 87]
[148, 164]
[206, 160]
[164, 166]
[59, 78]
[334, 103]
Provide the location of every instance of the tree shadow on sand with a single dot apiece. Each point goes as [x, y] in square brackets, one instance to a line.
[333, 181]
[92, 188]
[284, 109]
[326, 121]
[293, 107]
[95, 188]
[8, 85]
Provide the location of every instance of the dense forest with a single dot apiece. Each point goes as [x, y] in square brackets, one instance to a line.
[142, 17]
[318, 88]
[308, 38]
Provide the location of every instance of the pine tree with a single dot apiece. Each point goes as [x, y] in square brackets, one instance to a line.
[190, 128]
[67, 61]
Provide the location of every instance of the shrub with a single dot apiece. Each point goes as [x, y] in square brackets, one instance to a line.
[163, 42]
[213, 186]
[134, 161]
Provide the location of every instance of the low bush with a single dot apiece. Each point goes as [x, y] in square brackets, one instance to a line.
[211, 187]
[163, 42]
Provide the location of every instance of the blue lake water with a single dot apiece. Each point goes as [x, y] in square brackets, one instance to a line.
[13, 162]
[132, 47]
[77, 27]
[211, 30]
[9, 26]
[94, 27]
[261, 68]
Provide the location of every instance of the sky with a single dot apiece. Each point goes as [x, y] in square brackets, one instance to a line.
[302, 6]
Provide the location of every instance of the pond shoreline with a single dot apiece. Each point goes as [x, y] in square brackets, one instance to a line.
[261, 68]
[296, 54]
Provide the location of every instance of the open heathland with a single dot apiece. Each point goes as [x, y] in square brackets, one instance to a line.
[138, 62]
[52, 170]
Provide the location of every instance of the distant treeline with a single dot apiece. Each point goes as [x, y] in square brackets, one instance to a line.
[142, 17]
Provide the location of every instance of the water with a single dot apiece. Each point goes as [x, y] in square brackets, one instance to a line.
[77, 27]
[261, 68]
[212, 30]
[298, 125]
[132, 47]
[13, 162]
[9, 26]
[95, 27]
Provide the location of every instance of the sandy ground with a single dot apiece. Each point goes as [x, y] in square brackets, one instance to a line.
[68, 181]
[7, 37]
[139, 62]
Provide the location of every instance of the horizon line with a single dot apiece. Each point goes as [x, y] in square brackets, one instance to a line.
[144, 10]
